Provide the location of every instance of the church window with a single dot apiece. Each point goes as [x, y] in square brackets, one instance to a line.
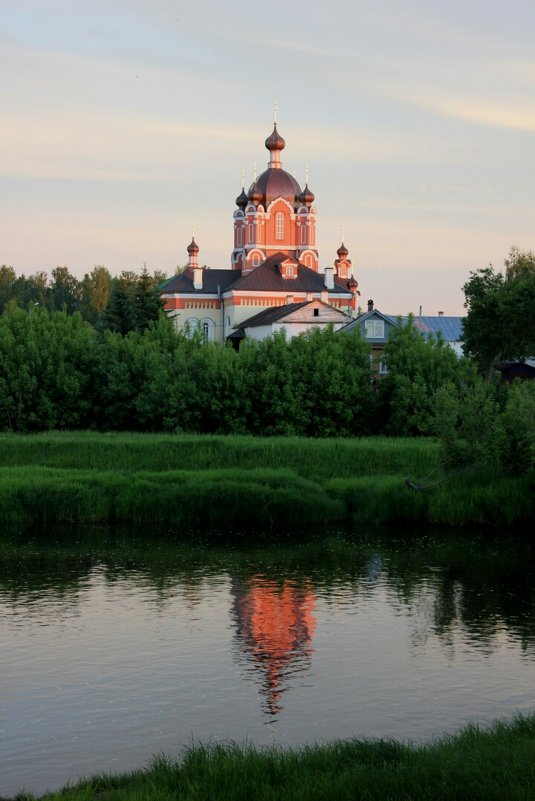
[251, 232]
[255, 260]
[303, 234]
[308, 260]
[239, 237]
[208, 329]
[191, 326]
[279, 225]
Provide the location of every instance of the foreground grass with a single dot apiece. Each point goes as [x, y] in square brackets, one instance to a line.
[495, 764]
[276, 485]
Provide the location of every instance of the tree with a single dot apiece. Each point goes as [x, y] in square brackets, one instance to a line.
[117, 315]
[147, 301]
[32, 291]
[64, 291]
[417, 367]
[500, 323]
[96, 288]
[7, 282]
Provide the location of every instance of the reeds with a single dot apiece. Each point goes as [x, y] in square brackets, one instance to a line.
[233, 485]
[311, 458]
[479, 763]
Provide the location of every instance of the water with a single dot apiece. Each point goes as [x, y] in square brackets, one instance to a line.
[112, 653]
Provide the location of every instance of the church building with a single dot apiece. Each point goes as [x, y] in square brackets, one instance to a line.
[274, 264]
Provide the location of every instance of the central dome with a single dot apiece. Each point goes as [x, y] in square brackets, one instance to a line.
[274, 183]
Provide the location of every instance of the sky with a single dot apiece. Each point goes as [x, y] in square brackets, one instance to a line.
[124, 123]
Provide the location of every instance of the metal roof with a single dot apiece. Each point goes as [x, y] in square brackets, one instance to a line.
[451, 328]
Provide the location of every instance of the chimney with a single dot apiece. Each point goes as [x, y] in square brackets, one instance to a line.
[329, 277]
[420, 312]
[441, 314]
[370, 305]
[197, 277]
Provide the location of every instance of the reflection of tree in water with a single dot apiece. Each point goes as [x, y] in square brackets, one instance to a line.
[483, 590]
[476, 585]
[274, 625]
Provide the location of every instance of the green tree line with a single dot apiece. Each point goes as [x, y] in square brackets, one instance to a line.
[124, 303]
[57, 371]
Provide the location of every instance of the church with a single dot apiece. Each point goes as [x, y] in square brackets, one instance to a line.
[274, 282]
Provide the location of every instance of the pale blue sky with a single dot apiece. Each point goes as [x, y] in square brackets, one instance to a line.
[125, 122]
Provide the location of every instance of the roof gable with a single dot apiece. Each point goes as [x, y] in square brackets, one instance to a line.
[267, 278]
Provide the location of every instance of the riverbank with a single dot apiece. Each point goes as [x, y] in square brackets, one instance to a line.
[482, 764]
[277, 485]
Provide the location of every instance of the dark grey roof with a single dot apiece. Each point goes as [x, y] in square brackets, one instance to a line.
[265, 278]
[211, 280]
[272, 315]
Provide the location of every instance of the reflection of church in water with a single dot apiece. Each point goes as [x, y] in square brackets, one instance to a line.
[275, 624]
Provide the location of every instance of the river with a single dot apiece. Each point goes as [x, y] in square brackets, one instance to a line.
[117, 648]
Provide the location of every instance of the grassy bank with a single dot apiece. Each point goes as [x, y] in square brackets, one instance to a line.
[496, 764]
[310, 458]
[244, 484]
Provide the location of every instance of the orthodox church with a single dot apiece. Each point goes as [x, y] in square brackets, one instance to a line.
[274, 280]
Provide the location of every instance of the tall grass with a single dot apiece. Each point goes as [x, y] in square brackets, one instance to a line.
[310, 458]
[216, 484]
[480, 764]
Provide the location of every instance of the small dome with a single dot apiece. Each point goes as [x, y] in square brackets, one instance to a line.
[255, 193]
[275, 140]
[241, 200]
[342, 251]
[307, 197]
[193, 247]
[352, 284]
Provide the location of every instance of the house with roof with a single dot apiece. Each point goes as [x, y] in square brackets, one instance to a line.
[376, 327]
[274, 264]
[292, 319]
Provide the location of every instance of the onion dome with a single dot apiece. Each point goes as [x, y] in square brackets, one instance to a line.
[193, 247]
[307, 197]
[242, 200]
[342, 251]
[352, 284]
[275, 140]
[255, 193]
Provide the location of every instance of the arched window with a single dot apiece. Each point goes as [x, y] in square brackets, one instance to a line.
[191, 326]
[279, 225]
[239, 237]
[303, 234]
[207, 327]
[255, 261]
[308, 260]
[251, 232]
